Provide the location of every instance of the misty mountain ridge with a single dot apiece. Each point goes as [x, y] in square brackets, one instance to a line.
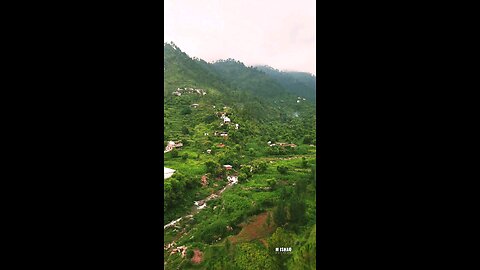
[233, 75]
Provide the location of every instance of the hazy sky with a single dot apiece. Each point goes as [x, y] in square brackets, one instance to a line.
[278, 33]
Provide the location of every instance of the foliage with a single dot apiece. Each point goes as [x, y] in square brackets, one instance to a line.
[174, 153]
[282, 169]
[304, 254]
[307, 139]
[280, 238]
[304, 162]
[186, 110]
[252, 256]
[212, 166]
[280, 214]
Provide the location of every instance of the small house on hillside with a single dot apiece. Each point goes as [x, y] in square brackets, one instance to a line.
[284, 144]
[220, 145]
[227, 167]
[236, 126]
[226, 120]
[195, 105]
[171, 145]
[167, 172]
[204, 180]
[177, 145]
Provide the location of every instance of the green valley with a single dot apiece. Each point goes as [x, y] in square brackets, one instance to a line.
[240, 154]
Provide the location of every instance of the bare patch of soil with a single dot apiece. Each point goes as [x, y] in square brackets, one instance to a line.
[197, 256]
[255, 229]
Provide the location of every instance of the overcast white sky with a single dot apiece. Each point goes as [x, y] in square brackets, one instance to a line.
[278, 33]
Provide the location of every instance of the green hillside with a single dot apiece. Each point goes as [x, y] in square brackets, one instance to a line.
[266, 199]
[299, 83]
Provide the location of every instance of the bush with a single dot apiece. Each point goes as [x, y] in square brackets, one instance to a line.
[304, 162]
[189, 253]
[185, 156]
[282, 169]
[186, 110]
[307, 139]
[262, 166]
[174, 153]
[242, 177]
[271, 183]
[212, 166]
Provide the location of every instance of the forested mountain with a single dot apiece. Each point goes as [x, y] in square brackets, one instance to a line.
[241, 145]
[254, 96]
[298, 83]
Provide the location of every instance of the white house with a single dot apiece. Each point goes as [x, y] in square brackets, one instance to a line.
[170, 146]
[233, 179]
[167, 172]
[236, 126]
[226, 120]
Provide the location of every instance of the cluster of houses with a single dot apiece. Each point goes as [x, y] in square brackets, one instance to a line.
[167, 246]
[181, 249]
[281, 144]
[171, 145]
[181, 91]
[300, 98]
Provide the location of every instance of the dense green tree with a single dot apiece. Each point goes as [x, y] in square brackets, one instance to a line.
[185, 130]
[307, 139]
[211, 166]
[280, 239]
[304, 254]
[227, 245]
[279, 214]
[282, 169]
[297, 208]
[186, 110]
[252, 256]
[304, 162]
[271, 183]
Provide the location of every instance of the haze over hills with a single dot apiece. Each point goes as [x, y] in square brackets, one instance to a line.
[233, 75]
[257, 96]
[299, 83]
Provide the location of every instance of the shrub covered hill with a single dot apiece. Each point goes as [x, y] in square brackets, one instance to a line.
[241, 142]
